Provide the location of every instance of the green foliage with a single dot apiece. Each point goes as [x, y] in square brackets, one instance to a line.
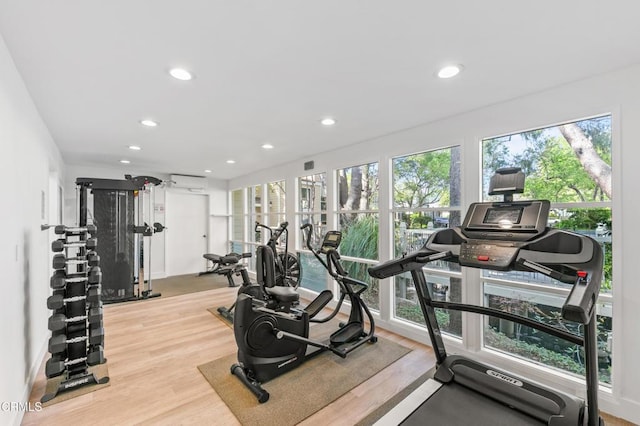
[563, 361]
[421, 179]
[359, 271]
[360, 239]
[581, 219]
[409, 311]
[360, 236]
[530, 351]
[588, 219]
[553, 170]
[558, 174]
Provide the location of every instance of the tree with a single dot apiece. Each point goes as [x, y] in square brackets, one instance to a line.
[421, 179]
[455, 192]
[597, 169]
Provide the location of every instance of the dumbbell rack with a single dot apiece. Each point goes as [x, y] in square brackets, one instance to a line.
[77, 333]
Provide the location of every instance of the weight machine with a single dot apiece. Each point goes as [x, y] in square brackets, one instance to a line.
[117, 208]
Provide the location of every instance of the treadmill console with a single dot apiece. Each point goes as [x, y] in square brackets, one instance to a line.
[496, 231]
[516, 220]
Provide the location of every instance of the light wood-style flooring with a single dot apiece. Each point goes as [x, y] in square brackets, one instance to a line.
[153, 349]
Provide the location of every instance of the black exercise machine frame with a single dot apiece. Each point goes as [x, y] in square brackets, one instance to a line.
[228, 265]
[131, 184]
[348, 337]
[579, 307]
[513, 236]
[281, 258]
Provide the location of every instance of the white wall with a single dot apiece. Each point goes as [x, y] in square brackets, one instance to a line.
[216, 191]
[29, 157]
[617, 93]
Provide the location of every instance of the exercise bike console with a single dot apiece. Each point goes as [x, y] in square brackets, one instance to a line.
[331, 241]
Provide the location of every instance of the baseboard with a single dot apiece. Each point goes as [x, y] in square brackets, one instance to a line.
[620, 407]
[16, 418]
[158, 275]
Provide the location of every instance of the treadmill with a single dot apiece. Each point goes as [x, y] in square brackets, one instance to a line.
[506, 236]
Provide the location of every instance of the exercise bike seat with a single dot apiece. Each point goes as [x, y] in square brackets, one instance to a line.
[228, 259]
[282, 294]
[266, 274]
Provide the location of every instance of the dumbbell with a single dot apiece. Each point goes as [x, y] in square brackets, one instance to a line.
[93, 294]
[61, 244]
[96, 356]
[59, 280]
[57, 301]
[55, 366]
[60, 261]
[58, 344]
[59, 321]
[95, 315]
[96, 336]
[61, 229]
[95, 275]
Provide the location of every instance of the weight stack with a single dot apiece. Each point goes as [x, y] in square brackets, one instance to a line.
[77, 332]
[113, 213]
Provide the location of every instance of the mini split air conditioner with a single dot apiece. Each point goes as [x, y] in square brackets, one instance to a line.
[194, 183]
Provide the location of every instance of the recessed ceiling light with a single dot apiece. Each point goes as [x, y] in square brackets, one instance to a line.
[449, 71]
[149, 123]
[328, 121]
[267, 146]
[134, 148]
[207, 171]
[180, 74]
[231, 161]
[125, 161]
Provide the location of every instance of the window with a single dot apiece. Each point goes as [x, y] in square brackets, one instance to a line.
[426, 197]
[238, 221]
[312, 208]
[570, 165]
[276, 192]
[358, 219]
[247, 208]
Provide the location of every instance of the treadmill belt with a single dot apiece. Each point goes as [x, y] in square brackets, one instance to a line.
[454, 404]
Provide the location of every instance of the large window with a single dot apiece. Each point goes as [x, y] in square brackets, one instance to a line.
[247, 208]
[238, 221]
[426, 197]
[312, 208]
[570, 165]
[358, 219]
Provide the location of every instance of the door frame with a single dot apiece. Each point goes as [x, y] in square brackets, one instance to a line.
[169, 192]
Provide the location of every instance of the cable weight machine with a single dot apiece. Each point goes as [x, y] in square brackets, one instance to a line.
[117, 208]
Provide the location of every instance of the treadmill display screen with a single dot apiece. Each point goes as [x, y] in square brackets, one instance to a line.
[499, 216]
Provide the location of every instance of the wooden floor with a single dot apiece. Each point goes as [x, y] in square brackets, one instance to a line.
[153, 348]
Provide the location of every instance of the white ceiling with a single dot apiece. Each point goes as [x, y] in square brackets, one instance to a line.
[269, 70]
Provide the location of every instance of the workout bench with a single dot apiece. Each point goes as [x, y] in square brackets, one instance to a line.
[228, 265]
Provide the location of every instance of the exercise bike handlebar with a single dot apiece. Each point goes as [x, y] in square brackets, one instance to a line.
[333, 257]
[308, 227]
[274, 234]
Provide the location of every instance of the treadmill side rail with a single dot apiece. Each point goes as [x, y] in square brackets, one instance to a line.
[408, 405]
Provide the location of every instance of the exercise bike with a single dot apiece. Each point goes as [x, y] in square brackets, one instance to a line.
[273, 337]
[288, 270]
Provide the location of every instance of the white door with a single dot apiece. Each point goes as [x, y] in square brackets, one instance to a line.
[186, 234]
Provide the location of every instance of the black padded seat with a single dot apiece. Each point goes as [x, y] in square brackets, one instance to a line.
[282, 294]
[215, 258]
[225, 260]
